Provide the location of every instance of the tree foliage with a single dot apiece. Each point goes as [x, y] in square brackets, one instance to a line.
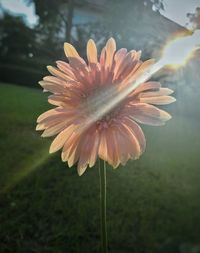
[17, 41]
[194, 18]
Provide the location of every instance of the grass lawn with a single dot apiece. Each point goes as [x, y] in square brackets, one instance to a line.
[45, 207]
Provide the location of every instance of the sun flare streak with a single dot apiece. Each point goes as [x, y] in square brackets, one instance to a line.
[176, 53]
[109, 98]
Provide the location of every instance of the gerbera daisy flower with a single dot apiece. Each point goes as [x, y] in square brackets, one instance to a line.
[115, 136]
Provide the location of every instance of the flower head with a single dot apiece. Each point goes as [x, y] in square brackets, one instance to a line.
[81, 89]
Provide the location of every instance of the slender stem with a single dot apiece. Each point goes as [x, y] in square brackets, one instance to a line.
[102, 177]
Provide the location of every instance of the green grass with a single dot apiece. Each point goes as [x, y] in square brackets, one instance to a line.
[19, 143]
[153, 203]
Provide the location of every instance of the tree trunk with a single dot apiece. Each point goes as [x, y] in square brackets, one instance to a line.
[69, 20]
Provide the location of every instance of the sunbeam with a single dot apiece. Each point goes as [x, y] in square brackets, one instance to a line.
[24, 172]
[176, 53]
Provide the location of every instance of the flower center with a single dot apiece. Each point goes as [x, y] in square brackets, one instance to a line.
[97, 105]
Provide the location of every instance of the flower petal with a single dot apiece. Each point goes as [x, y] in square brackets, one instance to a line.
[52, 120]
[140, 69]
[80, 68]
[130, 148]
[74, 58]
[52, 87]
[94, 151]
[49, 113]
[126, 65]
[65, 67]
[118, 58]
[159, 92]
[69, 148]
[103, 149]
[102, 57]
[70, 51]
[91, 51]
[147, 114]
[145, 87]
[56, 80]
[72, 149]
[137, 131]
[61, 138]
[132, 143]
[84, 156]
[56, 72]
[159, 100]
[113, 147]
[63, 101]
[55, 129]
[110, 50]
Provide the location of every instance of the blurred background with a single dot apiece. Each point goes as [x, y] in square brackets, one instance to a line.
[153, 203]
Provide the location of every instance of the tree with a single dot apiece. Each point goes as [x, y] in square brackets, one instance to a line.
[18, 52]
[58, 14]
[17, 40]
[194, 19]
[128, 21]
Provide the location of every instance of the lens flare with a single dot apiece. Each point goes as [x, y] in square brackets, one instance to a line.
[178, 51]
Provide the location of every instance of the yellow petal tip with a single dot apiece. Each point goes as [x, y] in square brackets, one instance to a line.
[49, 67]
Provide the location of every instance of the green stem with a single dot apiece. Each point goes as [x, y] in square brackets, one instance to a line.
[102, 177]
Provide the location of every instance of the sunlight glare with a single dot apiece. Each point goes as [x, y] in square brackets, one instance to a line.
[178, 51]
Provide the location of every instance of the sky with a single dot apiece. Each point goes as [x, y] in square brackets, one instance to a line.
[20, 7]
[175, 10]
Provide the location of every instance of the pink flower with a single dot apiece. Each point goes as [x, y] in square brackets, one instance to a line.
[115, 137]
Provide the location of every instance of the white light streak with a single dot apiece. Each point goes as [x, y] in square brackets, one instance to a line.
[106, 100]
[178, 51]
[175, 53]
